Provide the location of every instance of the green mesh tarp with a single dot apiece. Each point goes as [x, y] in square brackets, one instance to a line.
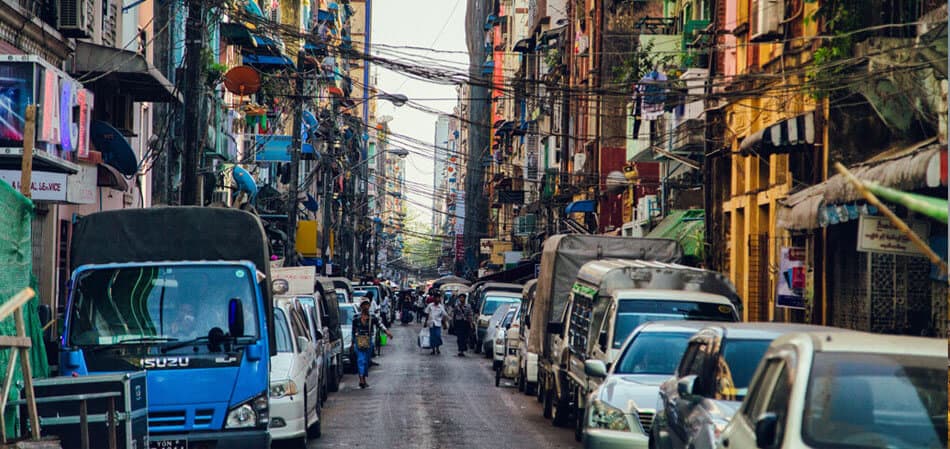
[688, 227]
[16, 263]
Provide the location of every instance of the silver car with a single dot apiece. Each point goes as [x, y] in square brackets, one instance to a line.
[622, 408]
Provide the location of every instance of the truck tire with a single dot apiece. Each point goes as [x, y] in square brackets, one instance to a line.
[333, 383]
[578, 417]
[548, 404]
[497, 377]
[538, 388]
[521, 382]
[562, 412]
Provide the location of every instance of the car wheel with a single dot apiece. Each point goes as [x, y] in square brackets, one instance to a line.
[478, 348]
[497, 377]
[315, 430]
[334, 382]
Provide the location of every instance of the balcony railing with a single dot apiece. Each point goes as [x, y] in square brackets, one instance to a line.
[689, 136]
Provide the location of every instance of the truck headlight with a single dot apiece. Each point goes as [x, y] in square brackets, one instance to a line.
[283, 388]
[499, 341]
[251, 413]
[603, 416]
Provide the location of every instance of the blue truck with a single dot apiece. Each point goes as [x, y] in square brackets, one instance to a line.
[184, 294]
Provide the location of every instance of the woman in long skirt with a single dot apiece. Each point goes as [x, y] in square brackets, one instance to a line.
[364, 328]
[435, 319]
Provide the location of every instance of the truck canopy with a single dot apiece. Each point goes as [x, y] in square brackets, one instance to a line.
[177, 234]
[327, 288]
[562, 258]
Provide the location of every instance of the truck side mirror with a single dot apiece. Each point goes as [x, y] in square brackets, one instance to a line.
[236, 317]
[556, 328]
[766, 427]
[595, 368]
[686, 387]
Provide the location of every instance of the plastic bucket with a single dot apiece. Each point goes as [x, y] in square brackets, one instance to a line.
[383, 339]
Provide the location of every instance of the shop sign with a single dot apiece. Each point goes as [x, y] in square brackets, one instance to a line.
[81, 187]
[791, 282]
[879, 235]
[459, 248]
[300, 280]
[46, 186]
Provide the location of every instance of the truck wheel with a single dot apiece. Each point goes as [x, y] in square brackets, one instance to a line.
[521, 386]
[333, 384]
[538, 388]
[578, 418]
[548, 404]
[497, 377]
[562, 412]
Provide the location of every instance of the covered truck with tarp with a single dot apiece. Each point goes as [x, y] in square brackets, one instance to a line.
[185, 294]
[16, 263]
[561, 258]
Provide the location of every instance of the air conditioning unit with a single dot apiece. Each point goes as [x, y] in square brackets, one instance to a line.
[74, 18]
[766, 17]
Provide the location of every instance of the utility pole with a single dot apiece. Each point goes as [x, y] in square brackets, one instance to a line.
[290, 251]
[326, 168]
[194, 73]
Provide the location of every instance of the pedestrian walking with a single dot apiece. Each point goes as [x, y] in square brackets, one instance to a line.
[462, 323]
[436, 319]
[364, 329]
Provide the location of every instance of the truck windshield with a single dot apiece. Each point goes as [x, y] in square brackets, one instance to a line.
[653, 353]
[159, 303]
[634, 312]
[492, 303]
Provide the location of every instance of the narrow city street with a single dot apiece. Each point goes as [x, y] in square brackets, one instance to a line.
[417, 400]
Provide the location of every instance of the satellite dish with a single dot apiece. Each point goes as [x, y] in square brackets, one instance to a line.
[242, 80]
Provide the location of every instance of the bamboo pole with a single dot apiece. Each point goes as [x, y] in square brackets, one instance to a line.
[29, 137]
[895, 220]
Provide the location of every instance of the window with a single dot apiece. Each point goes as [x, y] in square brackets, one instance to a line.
[687, 360]
[778, 403]
[752, 408]
[653, 353]
[737, 365]
[284, 343]
[634, 312]
[298, 323]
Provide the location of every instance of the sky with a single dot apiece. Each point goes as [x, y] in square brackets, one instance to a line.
[435, 24]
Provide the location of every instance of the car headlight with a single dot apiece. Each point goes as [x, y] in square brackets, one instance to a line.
[252, 413]
[603, 416]
[283, 388]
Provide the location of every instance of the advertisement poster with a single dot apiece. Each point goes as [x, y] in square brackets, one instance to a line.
[791, 282]
[16, 91]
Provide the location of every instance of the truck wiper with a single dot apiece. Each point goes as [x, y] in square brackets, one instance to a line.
[131, 340]
[205, 339]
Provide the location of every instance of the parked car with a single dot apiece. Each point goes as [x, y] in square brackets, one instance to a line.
[294, 387]
[494, 321]
[711, 381]
[612, 297]
[621, 410]
[526, 361]
[492, 301]
[847, 390]
[500, 346]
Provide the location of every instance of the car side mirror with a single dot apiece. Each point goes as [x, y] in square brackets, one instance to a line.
[556, 328]
[302, 343]
[766, 427]
[595, 368]
[686, 387]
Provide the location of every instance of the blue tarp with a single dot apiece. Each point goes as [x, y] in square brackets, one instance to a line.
[581, 206]
[265, 60]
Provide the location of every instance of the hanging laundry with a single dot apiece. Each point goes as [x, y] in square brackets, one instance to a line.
[652, 88]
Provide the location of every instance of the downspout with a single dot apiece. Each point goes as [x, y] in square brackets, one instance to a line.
[598, 57]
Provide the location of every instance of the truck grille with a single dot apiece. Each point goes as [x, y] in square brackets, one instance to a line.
[203, 418]
[166, 419]
[646, 419]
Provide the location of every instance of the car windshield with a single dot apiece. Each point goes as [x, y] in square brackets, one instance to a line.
[342, 295]
[875, 401]
[180, 302]
[653, 353]
[364, 290]
[741, 358]
[634, 312]
[347, 312]
[492, 302]
[282, 331]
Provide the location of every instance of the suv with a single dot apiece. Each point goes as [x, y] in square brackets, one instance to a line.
[711, 380]
[844, 390]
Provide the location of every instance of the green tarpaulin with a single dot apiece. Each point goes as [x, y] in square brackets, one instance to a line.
[687, 227]
[16, 266]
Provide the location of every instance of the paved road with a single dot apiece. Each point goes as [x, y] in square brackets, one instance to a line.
[417, 400]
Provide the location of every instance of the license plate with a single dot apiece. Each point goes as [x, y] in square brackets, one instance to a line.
[168, 444]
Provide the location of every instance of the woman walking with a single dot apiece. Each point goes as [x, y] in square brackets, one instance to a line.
[364, 329]
[435, 319]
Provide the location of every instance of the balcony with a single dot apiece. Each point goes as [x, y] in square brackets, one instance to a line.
[689, 137]
[656, 25]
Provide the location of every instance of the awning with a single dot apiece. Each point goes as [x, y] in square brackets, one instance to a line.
[781, 137]
[108, 176]
[130, 70]
[688, 227]
[12, 159]
[525, 45]
[236, 34]
[907, 169]
[266, 63]
[581, 206]
[520, 274]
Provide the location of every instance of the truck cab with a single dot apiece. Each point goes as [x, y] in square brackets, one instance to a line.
[167, 291]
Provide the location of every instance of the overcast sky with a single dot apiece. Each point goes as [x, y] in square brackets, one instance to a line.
[436, 24]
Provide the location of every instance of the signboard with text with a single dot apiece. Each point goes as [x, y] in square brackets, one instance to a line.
[879, 235]
[45, 186]
[81, 187]
[300, 279]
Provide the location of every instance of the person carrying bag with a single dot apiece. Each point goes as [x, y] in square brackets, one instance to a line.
[436, 319]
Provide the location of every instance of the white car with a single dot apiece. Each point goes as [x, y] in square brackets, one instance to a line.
[295, 382]
[501, 335]
[844, 390]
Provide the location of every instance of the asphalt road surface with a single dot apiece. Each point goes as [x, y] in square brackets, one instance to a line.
[417, 400]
